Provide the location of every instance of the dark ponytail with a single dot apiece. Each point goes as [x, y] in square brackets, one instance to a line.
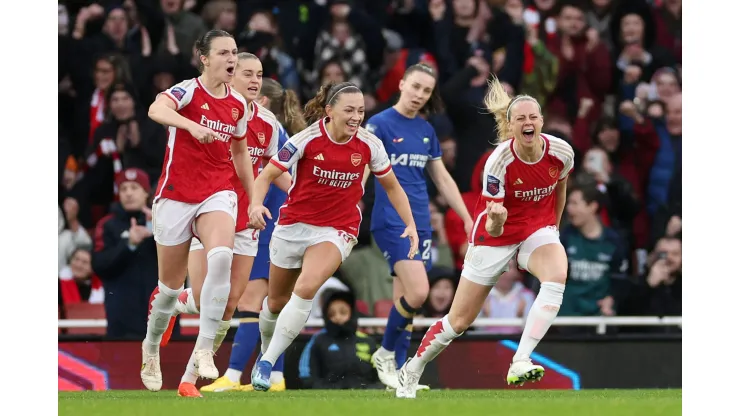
[328, 94]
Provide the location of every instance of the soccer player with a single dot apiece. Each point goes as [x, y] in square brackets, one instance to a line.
[412, 145]
[195, 196]
[517, 215]
[286, 107]
[262, 142]
[318, 225]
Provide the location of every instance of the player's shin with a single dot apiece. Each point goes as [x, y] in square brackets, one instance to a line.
[402, 345]
[543, 312]
[289, 324]
[401, 315]
[161, 307]
[245, 341]
[214, 295]
[267, 324]
[436, 339]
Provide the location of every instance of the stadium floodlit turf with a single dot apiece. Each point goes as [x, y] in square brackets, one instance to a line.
[377, 403]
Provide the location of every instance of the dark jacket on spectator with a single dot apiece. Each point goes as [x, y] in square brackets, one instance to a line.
[338, 357]
[129, 275]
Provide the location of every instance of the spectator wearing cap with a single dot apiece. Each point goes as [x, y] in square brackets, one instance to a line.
[125, 256]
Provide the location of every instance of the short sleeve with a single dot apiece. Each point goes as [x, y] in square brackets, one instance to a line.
[495, 175]
[274, 144]
[380, 165]
[564, 152]
[435, 150]
[241, 125]
[289, 154]
[182, 93]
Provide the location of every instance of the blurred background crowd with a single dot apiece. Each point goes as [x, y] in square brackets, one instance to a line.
[608, 73]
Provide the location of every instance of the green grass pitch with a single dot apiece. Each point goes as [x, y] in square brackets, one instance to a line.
[377, 403]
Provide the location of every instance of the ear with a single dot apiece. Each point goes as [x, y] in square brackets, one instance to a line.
[263, 101]
[400, 84]
[329, 111]
[204, 60]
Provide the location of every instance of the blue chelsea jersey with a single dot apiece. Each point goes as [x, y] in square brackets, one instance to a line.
[410, 143]
[275, 197]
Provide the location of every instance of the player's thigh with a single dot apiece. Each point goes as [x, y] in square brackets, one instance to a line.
[396, 249]
[254, 294]
[413, 276]
[197, 268]
[172, 222]
[216, 220]
[467, 304]
[484, 264]
[288, 244]
[543, 255]
[280, 286]
[319, 263]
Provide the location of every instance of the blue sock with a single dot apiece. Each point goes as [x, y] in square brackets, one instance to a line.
[402, 346]
[401, 315]
[280, 363]
[246, 339]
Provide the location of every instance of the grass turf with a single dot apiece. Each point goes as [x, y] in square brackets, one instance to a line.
[377, 403]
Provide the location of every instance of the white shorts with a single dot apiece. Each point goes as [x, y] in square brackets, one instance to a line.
[289, 243]
[484, 264]
[245, 243]
[174, 221]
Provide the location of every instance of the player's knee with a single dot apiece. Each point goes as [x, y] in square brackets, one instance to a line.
[416, 296]
[277, 303]
[219, 261]
[307, 286]
[459, 323]
[556, 276]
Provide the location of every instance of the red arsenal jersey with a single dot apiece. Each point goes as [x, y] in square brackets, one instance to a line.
[194, 171]
[262, 140]
[526, 190]
[327, 183]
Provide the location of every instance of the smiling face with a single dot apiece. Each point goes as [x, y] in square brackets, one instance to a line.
[347, 113]
[526, 121]
[248, 78]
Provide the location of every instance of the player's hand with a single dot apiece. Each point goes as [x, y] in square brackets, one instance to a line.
[413, 236]
[257, 214]
[497, 212]
[203, 134]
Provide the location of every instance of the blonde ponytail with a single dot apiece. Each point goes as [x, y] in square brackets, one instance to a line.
[499, 104]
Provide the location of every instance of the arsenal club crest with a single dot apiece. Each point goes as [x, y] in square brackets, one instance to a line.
[261, 138]
[130, 175]
[553, 171]
[356, 159]
[235, 114]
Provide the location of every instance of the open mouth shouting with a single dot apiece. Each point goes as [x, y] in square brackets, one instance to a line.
[230, 70]
[528, 133]
[253, 90]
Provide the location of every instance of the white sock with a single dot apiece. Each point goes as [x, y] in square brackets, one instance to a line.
[191, 373]
[215, 294]
[436, 339]
[189, 305]
[221, 331]
[289, 323]
[544, 310]
[276, 377]
[385, 353]
[162, 305]
[234, 376]
[267, 326]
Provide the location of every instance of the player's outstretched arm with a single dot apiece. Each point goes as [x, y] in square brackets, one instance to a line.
[399, 200]
[243, 165]
[449, 190]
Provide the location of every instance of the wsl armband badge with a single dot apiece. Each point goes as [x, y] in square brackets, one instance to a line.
[493, 185]
[178, 93]
[286, 152]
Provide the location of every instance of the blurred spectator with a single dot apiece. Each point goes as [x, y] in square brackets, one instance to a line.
[442, 287]
[187, 26]
[665, 184]
[440, 253]
[668, 26]
[599, 17]
[220, 14]
[330, 286]
[659, 292]
[339, 356]
[597, 259]
[508, 299]
[72, 236]
[125, 256]
[77, 282]
[262, 38]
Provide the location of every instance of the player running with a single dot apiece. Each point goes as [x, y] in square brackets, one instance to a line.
[412, 145]
[318, 225]
[195, 196]
[522, 201]
[285, 105]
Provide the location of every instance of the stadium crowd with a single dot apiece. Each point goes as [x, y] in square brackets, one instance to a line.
[609, 72]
